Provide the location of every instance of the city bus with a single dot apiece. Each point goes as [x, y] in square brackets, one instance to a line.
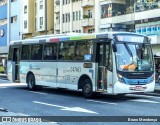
[108, 63]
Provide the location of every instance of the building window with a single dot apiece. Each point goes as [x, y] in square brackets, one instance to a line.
[73, 16]
[41, 4]
[76, 15]
[25, 9]
[63, 18]
[3, 22]
[57, 2]
[25, 24]
[68, 17]
[41, 21]
[79, 15]
[14, 19]
[91, 30]
[89, 13]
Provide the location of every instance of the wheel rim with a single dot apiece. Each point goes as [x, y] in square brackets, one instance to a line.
[30, 83]
[88, 89]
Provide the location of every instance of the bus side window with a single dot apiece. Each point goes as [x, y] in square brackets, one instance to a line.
[36, 52]
[83, 48]
[66, 51]
[25, 52]
[50, 51]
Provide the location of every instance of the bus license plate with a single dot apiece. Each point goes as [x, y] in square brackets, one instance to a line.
[139, 88]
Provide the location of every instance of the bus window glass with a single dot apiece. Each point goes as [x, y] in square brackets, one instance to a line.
[84, 50]
[134, 57]
[66, 51]
[36, 52]
[10, 54]
[50, 51]
[25, 52]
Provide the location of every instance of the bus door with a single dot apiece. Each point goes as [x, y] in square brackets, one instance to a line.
[104, 63]
[15, 64]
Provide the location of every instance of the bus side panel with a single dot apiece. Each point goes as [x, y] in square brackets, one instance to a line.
[11, 71]
[24, 69]
[48, 74]
[70, 72]
[44, 72]
[109, 81]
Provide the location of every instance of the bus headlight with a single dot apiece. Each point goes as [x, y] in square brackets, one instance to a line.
[120, 78]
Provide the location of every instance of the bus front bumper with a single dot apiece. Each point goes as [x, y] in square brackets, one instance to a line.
[119, 88]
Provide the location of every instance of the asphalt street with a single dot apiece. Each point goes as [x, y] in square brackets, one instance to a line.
[19, 101]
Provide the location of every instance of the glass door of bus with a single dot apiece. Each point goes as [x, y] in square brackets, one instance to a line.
[104, 65]
[16, 64]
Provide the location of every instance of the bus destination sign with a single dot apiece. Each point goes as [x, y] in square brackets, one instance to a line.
[130, 38]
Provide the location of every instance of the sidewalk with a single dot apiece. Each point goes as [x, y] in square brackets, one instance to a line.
[2, 75]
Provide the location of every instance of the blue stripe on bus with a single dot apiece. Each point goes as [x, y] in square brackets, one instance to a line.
[64, 39]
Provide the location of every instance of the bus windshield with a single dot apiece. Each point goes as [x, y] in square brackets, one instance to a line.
[134, 57]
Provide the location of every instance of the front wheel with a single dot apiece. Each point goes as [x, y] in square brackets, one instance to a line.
[87, 89]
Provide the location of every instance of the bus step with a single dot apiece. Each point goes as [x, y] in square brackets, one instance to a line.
[17, 81]
[101, 90]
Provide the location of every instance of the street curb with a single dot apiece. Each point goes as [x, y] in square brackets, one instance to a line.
[3, 76]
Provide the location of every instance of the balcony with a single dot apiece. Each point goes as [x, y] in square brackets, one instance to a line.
[56, 9]
[87, 3]
[56, 26]
[88, 22]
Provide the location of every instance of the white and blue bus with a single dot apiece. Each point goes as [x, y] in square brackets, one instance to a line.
[109, 63]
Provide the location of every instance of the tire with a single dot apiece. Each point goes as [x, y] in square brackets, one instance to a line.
[31, 82]
[87, 89]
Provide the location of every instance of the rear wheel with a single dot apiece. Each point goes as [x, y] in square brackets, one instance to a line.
[87, 89]
[31, 83]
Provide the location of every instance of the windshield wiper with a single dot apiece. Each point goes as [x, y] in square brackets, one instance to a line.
[128, 50]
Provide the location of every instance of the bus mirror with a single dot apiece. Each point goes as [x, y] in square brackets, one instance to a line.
[114, 48]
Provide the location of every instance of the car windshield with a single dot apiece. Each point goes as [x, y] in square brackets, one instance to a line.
[134, 57]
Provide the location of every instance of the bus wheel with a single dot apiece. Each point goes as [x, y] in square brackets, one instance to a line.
[31, 82]
[87, 89]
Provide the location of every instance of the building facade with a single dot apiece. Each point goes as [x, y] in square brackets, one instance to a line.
[37, 17]
[9, 25]
[3, 29]
[14, 17]
[74, 16]
[140, 16]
